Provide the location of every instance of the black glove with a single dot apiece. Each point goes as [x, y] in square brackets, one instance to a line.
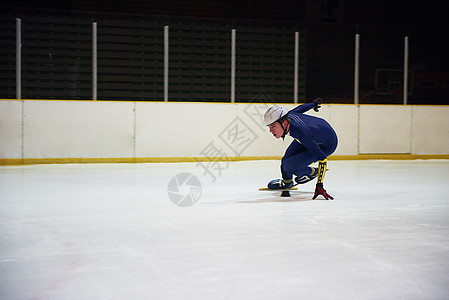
[317, 102]
[319, 190]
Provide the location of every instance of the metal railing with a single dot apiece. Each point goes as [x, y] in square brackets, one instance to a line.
[213, 60]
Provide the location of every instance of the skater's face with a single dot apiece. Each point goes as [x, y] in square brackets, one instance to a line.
[276, 129]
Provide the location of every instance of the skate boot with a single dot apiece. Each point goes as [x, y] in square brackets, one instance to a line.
[307, 178]
[278, 184]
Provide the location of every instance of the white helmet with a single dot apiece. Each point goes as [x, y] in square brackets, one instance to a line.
[273, 114]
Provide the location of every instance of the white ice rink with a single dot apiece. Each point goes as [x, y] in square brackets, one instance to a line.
[110, 231]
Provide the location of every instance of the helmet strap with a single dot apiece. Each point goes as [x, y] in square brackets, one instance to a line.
[284, 128]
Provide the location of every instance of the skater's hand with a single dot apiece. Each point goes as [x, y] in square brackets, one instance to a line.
[317, 102]
[319, 190]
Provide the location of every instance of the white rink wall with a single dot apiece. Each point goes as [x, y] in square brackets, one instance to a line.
[40, 129]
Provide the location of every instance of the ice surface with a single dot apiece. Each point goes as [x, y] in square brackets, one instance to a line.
[111, 232]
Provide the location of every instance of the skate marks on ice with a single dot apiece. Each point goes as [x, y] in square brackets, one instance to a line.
[275, 196]
[248, 196]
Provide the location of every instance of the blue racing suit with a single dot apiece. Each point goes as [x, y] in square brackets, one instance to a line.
[314, 140]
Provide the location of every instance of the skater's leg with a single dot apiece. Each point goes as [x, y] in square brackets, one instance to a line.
[297, 159]
[298, 164]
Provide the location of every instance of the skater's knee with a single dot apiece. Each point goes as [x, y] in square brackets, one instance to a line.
[288, 168]
[286, 161]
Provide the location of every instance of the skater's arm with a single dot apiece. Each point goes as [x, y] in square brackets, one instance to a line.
[321, 170]
[319, 189]
[303, 134]
[315, 104]
[303, 108]
[315, 149]
[310, 143]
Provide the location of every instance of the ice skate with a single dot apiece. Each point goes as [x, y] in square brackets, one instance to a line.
[281, 184]
[307, 178]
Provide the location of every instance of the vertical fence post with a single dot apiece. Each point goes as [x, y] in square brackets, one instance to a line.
[405, 70]
[166, 45]
[94, 61]
[296, 74]
[233, 42]
[356, 68]
[18, 58]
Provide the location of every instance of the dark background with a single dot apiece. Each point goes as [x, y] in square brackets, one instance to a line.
[385, 12]
[56, 51]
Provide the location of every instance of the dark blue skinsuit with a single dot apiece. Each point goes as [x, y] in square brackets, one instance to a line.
[314, 140]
